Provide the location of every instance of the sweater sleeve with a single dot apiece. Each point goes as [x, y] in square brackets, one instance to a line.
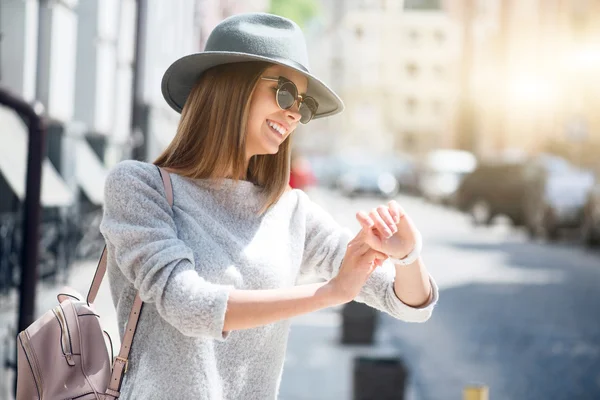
[138, 223]
[324, 249]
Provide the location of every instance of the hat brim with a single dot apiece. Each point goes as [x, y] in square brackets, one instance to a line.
[181, 76]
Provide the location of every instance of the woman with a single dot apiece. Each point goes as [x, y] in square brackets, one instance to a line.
[217, 271]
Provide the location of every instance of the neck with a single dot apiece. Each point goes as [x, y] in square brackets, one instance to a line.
[229, 174]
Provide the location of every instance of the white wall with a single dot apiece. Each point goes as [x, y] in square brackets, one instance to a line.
[56, 65]
[18, 47]
[105, 55]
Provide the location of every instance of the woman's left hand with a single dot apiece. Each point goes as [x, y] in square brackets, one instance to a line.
[389, 230]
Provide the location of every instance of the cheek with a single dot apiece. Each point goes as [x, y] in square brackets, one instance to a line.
[255, 120]
[263, 104]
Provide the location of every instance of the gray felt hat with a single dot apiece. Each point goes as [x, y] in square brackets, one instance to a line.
[249, 37]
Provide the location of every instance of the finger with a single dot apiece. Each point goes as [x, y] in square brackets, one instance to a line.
[380, 224]
[396, 211]
[384, 213]
[370, 237]
[358, 246]
[370, 256]
[380, 258]
[365, 221]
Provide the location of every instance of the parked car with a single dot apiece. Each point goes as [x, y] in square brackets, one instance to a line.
[441, 173]
[556, 194]
[404, 169]
[368, 178]
[494, 188]
[327, 169]
[301, 173]
[590, 226]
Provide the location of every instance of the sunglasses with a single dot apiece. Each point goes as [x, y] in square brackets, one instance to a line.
[287, 95]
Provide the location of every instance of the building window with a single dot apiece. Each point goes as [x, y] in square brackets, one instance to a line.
[422, 5]
[358, 32]
[409, 142]
[411, 105]
[412, 69]
[367, 4]
[440, 37]
[413, 36]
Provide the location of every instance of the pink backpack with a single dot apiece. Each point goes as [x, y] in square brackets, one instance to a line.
[63, 355]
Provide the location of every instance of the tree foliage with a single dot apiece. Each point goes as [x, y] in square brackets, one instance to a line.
[299, 11]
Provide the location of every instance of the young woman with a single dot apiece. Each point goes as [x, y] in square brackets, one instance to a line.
[217, 271]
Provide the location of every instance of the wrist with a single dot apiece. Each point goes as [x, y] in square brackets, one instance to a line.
[403, 264]
[336, 294]
[414, 254]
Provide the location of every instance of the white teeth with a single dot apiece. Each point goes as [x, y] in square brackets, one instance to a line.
[277, 127]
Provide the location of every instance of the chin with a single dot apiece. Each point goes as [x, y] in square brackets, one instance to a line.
[271, 151]
[265, 151]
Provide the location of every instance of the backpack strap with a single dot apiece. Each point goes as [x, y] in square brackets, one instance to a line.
[121, 361]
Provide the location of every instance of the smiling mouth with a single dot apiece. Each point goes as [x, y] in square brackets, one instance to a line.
[275, 127]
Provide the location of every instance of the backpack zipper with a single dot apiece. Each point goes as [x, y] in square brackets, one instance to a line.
[66, 338]
[37, 376]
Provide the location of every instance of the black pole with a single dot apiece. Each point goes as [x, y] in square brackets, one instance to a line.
[31, 216]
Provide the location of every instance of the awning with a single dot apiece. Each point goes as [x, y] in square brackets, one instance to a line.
[90, 172]
[13, 163]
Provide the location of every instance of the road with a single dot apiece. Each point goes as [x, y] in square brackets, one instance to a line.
[521, 317]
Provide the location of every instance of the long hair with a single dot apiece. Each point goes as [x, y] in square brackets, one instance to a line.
[211, 137]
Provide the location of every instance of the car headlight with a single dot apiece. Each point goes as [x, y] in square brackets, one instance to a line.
[387, 183]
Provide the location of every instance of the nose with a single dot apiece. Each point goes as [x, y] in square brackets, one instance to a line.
[293, 114]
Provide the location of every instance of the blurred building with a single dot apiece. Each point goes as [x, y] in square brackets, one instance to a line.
[184, 35]
[534, 74]
[422, 71]
[396, 71]
[34, 67]
[96, 68]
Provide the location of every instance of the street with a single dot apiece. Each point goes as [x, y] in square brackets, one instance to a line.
[518, 316]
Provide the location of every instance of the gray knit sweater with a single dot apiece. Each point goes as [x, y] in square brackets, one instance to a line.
[184, 261]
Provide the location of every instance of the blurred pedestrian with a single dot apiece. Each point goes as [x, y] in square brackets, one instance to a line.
[217, 271]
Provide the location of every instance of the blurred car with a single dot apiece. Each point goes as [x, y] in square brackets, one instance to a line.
[327, 169]
[494, 188]
[301, 174]
[441, 173]
[590, 226]
[404, 169]
[368, 178]
[556, 193]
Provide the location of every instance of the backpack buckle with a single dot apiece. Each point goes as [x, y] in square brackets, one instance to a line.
[124, 361]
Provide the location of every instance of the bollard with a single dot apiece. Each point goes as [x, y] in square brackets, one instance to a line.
[358, 323]
[476, 392]
[379, 378]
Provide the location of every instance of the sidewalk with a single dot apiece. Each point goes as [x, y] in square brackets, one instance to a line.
[317, 367]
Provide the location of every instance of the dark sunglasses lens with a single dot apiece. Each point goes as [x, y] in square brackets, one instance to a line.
[286, 96]
[308, 108]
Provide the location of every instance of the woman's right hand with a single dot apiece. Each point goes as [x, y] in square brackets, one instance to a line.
[359, 263]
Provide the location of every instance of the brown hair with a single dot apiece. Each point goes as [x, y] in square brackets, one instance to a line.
[211, 136]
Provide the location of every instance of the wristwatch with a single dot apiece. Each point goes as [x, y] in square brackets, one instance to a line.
[413, 255]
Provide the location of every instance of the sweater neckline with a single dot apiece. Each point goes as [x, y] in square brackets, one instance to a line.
[240, 197]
